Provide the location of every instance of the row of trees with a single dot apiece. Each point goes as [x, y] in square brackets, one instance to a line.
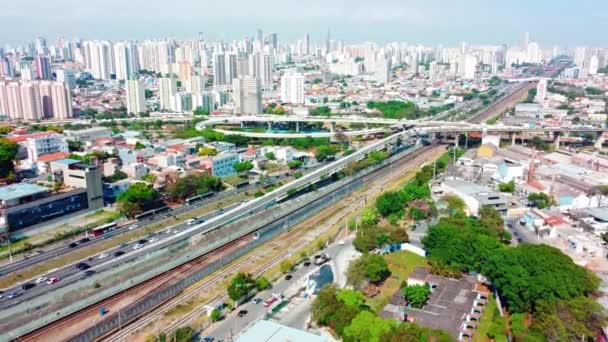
[242, 283]
[348, 315]
[192, 185]
[131, 201]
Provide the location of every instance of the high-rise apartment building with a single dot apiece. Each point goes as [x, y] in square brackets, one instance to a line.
[167, 90]
[292, 87]
[43, 67]
[68, 77]
[62, 100]
[219, 71]
[31, 101]
[136, 102]
[247, 93]
[306, 44]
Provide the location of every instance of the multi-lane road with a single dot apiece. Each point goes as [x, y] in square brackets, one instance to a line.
[96, 263]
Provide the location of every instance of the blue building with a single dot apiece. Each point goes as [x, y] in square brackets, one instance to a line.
[223, 164]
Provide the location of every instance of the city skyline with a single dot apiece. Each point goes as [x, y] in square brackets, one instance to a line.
[434, 22]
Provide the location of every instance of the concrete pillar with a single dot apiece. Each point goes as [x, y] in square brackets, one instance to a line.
[456, 138]
[269, 125]
[333, 127]
[512, 134]
[297, 127]
[556, 139]
[466, 140]
[242, 124]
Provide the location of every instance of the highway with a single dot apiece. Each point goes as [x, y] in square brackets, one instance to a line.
[42, 255]
[97, 263]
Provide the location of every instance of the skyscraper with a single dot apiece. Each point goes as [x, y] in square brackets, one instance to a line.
[122, 63]
[135, 96]
[167, 91]
[67, 76]
[541, 91]
[247, 92]
[47, 98]
[62, 101]
[306, 44]
[292, 87]
[382, 70]
[231, 67]
[43, 67]
[31, 101]
[219, 70]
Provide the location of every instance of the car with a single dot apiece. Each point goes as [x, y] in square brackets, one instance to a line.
[72, 245]
[208, 339]
[124, 244]
[153, 239]
[27, 286]
[142, 241]
[53, 281]
[103, 255]
[40, 251]
[288, 277]
[191, 221]
[242, 313]
[306, 263]
[138, 246]
[14, 295]
[133, 227]
[119, 253]
[270, 300]
[88, 273]
[83, 240]
[82, 266]
[40, 280]
[341, 243]
[257, 300]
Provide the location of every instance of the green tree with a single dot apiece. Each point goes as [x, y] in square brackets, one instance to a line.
[148, 93]
[8, 151]
[490, 219]
[325, 151]
[262, 283]
[270, 155]
[454, 203]
[369, 217]
[366, 326]
[375, 268]
[390, 202]
[191, 185]
[200, 111]
[184, 334]
[240, 285]
[131, 200]
[507, 187]
[569, 320]
[541, 200]
[139, 146]
[4, 130]
[206, 151]
[351, 298]
[216, 315]
[416, 295]
[243, 166]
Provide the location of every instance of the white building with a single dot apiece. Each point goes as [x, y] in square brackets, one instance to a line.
[541, 91]
[470, 64]
[382, 72]
[167, 88]
[292, 87]
[136, 102]
[247, 95]
[42, 143]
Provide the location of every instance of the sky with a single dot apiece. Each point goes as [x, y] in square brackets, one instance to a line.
[550, 22]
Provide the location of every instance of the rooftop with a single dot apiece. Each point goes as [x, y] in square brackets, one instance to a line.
[19, 190]
[268, 331]
[466, 187]
[67, 161]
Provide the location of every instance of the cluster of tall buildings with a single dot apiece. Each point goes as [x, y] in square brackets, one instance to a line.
[35, 100]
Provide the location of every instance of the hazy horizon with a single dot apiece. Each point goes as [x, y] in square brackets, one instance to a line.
[433, 22]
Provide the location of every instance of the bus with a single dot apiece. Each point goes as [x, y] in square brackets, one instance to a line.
[144, 216]
[108, 227]
[197, 198]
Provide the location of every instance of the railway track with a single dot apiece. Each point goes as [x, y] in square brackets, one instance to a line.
[353, 204]
[168, 278]
[501, 105]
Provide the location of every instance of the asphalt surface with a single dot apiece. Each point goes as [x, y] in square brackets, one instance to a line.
[232, 325]
[41, 255]
[71, 273]
[520, 233]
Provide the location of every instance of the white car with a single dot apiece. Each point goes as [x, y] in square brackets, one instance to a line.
[103, 255]
[138, 246]
[41, 280]
[133, 227]
[153, 240]
[191, 221]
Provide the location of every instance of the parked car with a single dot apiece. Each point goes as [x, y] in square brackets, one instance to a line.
[82, 266]
[83, 240]
[138, 246]
[288, 277]
[14, 295]
[103, 255]
[257, 300]
[242, 313]
[88, 273]
[72, 245]
[119, 253]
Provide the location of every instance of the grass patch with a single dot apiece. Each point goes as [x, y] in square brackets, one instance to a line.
[401, 264]
[234, 180]
[491, 323]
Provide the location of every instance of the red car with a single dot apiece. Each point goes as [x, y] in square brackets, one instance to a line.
[52, 281]
[270, 300]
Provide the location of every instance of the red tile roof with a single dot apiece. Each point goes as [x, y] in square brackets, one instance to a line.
[53, 156]
[20, 138]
